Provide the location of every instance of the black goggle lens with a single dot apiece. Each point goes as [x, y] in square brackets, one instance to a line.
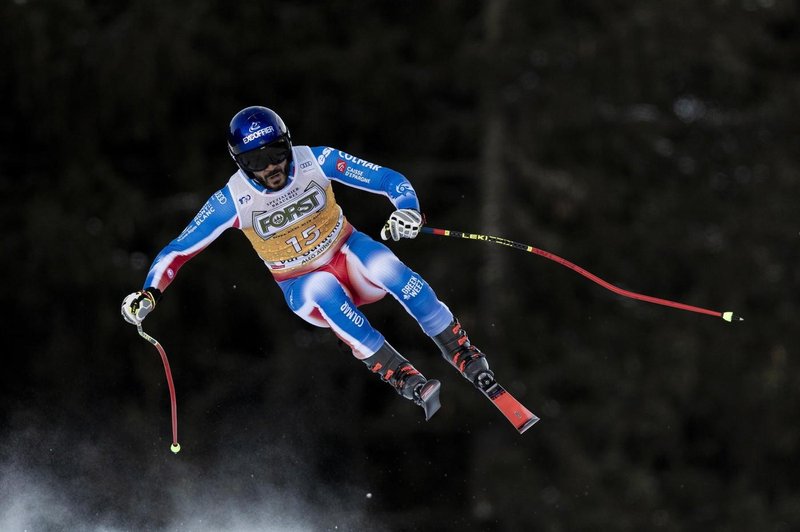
[257, 160]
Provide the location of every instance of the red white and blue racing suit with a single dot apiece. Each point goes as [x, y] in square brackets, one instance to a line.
[325, 267]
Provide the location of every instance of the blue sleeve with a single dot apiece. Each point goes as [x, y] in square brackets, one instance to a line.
[217, 215]
[358, 173]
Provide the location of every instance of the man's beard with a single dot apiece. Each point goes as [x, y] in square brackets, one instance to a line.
[268, 180]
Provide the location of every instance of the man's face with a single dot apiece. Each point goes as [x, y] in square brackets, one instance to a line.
[273, 176]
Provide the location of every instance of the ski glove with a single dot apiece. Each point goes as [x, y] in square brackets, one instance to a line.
[403, 223]
[136, 306]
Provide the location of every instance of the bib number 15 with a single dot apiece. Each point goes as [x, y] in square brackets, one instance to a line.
[310, 235]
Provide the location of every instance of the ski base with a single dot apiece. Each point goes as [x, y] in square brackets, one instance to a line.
[513, 410]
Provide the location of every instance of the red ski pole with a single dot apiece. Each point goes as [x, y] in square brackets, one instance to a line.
[727, 316]
[175, 447]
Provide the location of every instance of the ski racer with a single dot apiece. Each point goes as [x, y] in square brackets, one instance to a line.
[281, 198]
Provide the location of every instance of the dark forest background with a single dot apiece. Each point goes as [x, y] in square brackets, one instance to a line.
[653, 143]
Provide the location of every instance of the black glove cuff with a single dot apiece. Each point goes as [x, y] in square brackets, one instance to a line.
[154, 292]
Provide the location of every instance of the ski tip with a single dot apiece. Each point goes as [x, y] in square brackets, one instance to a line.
[730, 317]
[528, 424]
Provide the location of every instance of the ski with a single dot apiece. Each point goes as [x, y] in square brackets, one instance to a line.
[513, 410]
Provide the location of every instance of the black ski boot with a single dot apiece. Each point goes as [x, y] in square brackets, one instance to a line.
[410, 383]
[468, 359]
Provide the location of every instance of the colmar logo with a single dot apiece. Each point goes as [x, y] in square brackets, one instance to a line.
[359, 162]
[351, 314]
[341, 165]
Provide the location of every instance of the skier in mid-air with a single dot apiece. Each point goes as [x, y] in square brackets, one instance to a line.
[281, 198]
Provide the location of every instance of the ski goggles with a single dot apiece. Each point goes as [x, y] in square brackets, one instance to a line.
[273, 153]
